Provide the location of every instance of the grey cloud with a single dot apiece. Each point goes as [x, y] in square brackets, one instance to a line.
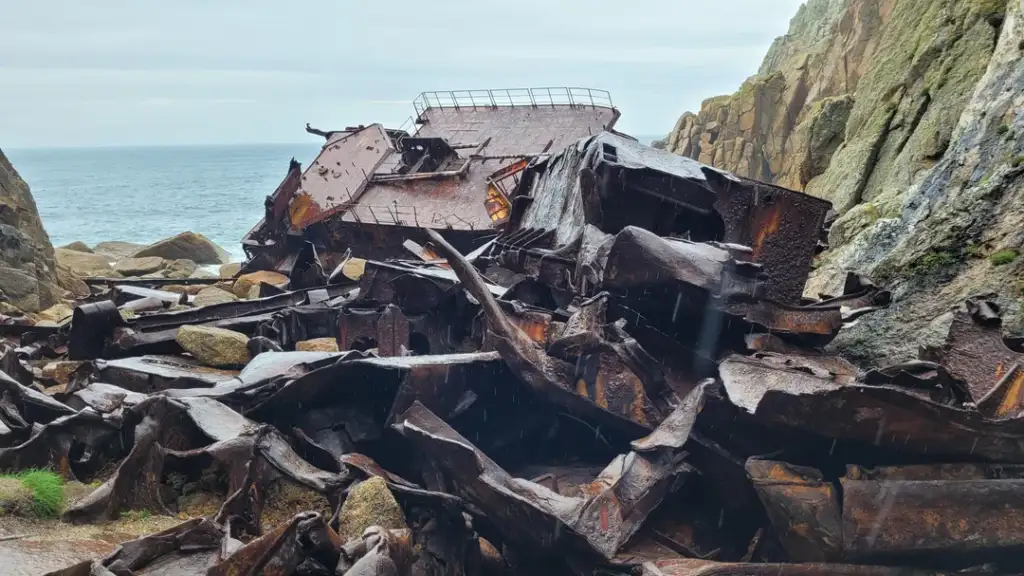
[193, 71]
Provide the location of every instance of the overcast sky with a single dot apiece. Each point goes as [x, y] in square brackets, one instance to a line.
[128, 72]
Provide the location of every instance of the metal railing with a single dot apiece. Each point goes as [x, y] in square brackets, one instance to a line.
[424, 214]
[513, 97]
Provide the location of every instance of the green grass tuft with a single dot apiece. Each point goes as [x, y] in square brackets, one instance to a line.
[933, 261]
[1003, 257]
[47, 492]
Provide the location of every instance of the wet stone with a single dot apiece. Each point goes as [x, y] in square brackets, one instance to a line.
[140, 266]
[214, 346]
[213, 295]
[369, 504]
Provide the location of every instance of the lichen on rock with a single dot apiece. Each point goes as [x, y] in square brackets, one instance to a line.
[370, 503]
[214, 347]
[906, 114]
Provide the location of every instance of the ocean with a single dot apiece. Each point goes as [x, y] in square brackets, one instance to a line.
[144, 194]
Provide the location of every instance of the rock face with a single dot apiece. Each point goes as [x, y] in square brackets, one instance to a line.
[187, 246]
[214, 347]
[28, 274]
[906, 115]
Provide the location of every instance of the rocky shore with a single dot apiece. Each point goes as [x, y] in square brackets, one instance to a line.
[605, 359]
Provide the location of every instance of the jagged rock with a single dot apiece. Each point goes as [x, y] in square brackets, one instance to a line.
[189, 246]
[317, 345]
[56, 313]
[27, 268]
[140, 266]
[117, 250]
[203, 273]
[213, 295]
[246, 282]
[85, 264]
[214, 347]
[969, 202]
[181, 268]
[369, 503]
[78, 246]
[906, 114]
[229, 270]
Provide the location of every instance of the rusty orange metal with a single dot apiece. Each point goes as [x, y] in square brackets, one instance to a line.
[803, 507]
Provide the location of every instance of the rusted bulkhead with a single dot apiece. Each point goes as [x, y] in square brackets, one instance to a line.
[610, 181]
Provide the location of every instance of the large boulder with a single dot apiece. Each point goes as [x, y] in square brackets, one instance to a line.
[245, 283]
[213, 295]
[230, 270]
[214, 347]
[140, 266]
[181, 268]
[85, 264]
[117, 250]
[78, 247]
[189, 246]
[28, 278]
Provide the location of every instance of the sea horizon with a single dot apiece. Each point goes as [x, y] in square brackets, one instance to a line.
[145, 193]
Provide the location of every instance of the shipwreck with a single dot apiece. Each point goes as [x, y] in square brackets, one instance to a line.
[559, 350]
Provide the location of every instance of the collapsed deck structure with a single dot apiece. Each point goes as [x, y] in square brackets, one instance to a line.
[375, 188]
[604, 365]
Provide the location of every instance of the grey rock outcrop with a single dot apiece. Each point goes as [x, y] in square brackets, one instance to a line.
[906, 114]
[28, 274]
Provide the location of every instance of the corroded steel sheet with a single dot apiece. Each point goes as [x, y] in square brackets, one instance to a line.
[338, 176]
[976, 353]
[457, 202]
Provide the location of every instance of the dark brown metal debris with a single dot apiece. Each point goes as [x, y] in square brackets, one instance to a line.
[561, 356]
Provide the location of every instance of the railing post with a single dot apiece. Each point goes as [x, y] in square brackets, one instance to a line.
[491, 96]
[568, 92]
[591, 94]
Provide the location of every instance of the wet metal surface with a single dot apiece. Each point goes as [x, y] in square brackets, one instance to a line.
[624, 381]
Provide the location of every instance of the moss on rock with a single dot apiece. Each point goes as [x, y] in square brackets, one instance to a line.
[370, 503]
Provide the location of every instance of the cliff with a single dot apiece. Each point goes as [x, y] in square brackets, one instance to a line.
[906, 114]
[28, 275]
